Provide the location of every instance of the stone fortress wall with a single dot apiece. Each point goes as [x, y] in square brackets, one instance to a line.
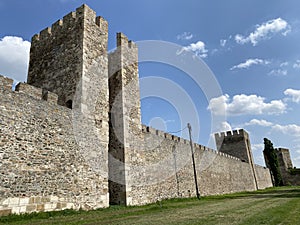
[72, 137]
[41, 165]
[290, 175]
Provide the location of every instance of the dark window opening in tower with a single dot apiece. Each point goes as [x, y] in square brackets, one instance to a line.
[69, 104]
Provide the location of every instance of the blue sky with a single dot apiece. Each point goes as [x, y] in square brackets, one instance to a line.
[251, 47]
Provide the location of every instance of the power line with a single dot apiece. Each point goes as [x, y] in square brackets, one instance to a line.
[177, 131]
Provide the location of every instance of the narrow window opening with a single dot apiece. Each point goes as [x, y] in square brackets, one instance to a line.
[69, 104]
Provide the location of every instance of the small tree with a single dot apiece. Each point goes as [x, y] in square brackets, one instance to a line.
[272, 162]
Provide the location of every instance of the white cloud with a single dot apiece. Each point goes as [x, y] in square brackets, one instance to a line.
[198, 48]
[185, 36]
[265, 31]
[224, 126]
[297, 65]
[250, 62]
[245, 105]
[290, 129]
[278, 72]
[284, 64]
[223, 42]
[14, 57]
[257, 147]
[295, 94]
[257, 122]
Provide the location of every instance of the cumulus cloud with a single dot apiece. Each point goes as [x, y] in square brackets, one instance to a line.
[258, 147]
[14, 57]
[198, 48]
[290, 129]
[257, 122]
[245, 105]
[297, 65]
[265, 31]
[250, 62]
[185, 36]
[278, 72]
[294, 94]
[224, 126]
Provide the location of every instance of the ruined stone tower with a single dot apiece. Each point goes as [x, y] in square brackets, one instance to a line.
[237, 144]
[284, 159]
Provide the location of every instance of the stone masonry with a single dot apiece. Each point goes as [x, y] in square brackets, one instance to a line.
[71, 137]
[290, 175]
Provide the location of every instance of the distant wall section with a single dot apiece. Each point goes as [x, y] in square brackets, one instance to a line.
[289, 174]
[161, 167]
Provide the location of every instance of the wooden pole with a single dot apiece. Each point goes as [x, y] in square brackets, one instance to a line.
[193, 159]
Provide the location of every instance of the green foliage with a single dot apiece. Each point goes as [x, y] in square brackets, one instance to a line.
[294, 171]
[272, 162]
[38, 215]
[278, 205]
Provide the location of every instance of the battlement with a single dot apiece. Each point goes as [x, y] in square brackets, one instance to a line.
[146, 129]
[83, 13]
[122, 41]
[37, 93]
[150, 130]
[5, 83]
[29, 90]
[233, 133]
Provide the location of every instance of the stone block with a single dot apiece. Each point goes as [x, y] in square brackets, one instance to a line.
[23, 209]
[24, 201]
[5, 212]
[14, 201]
[31, 208]
[15, 210]
[54, 199]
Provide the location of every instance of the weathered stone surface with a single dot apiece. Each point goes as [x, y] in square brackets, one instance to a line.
[289, 174]
[72, 137]
[44, 164]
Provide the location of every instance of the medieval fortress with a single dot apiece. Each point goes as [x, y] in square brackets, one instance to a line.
[71, 137]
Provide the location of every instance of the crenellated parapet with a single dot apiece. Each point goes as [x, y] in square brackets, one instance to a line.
[122, 41]
[170, 137]
[65, 53]
[124, 56]
[71, 20]
[232, 134]
[6, 85]
[32, 91]
[235, 143]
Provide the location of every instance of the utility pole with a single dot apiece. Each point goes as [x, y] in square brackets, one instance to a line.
[193, 158]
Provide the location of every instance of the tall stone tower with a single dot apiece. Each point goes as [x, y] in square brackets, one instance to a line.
[70, 59]
[237, 144]
[63, 55]
[125, 115]
[284, 158]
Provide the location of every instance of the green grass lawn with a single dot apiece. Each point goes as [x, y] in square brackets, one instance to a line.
[271, 206]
